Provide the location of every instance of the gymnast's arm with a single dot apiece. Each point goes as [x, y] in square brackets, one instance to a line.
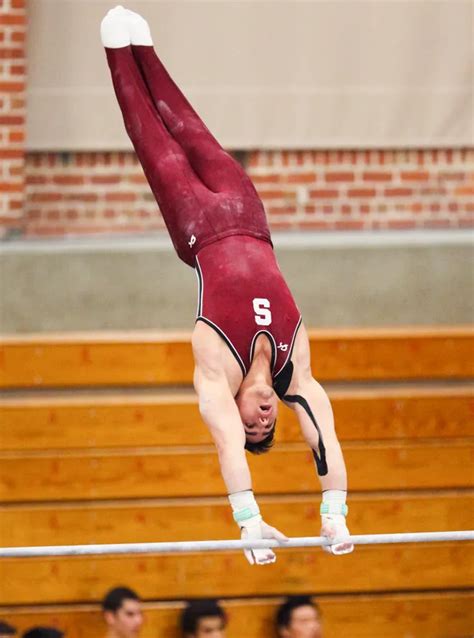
[334, 483]
[221, 415]
[219, 411]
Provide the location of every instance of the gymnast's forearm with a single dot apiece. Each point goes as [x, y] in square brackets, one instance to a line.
[315, 395]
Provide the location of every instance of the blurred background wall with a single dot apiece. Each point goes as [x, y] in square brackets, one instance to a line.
[349, 116]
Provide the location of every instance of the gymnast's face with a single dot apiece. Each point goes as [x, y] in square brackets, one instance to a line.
[258, 407]
[127, 621]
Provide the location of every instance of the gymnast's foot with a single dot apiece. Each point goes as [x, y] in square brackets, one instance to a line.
[138, 29]
[114, 30]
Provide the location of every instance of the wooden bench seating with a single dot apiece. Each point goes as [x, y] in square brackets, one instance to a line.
[175, 576]
[129, 359]
[205, 518]
[430, 615]
[194, 471]
[97, 420]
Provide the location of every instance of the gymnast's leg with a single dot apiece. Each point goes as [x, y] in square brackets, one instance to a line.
[217, 169]
[173, 181]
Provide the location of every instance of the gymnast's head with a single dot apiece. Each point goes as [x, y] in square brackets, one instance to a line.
[258, 407]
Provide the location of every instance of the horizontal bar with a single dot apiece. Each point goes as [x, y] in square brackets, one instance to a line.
[225, 545]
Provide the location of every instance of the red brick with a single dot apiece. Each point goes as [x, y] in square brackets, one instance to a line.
[315, 224]
[277, 194]
[36, 179]
[377, 177]
[137, 179]
[9, 187]
[364, 209]
[11, 154]
[52, 215]
[282, 210]
[464, 190]
[361, 192]
[10, 53]
[16, 136]
[12, 87]
[81, 197]
[106, 179]
[324, 193]
[17, 69]
[271, 178]
[11, 120]
[9, 19]
[349, 225]
[435, 207]
[453, 207]
[68, 180]
[398, 192]
[18, 36]
[433, 190]
[15, 204]
[17, 170]
[17, 103]
[452, 177]
[18, 4]
[339, 177]
[401, 223]
[120, 197]
[300, 178]
[415, 176]
[45, 197]
[417, 207]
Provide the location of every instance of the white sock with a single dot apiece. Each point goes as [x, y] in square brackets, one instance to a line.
[139, 30]
[114, 29]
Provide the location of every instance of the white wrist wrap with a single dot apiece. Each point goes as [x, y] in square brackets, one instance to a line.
[244, 506]
[334, 502]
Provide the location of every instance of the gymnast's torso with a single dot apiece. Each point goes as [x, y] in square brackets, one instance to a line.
[242, 294]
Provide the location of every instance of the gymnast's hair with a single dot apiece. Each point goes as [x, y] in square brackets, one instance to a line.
[262, 446]
[115, 598]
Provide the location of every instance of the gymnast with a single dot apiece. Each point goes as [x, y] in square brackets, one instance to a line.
[249, 344]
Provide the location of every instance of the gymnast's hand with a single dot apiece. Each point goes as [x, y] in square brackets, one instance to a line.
[333, 527]
[256, 528]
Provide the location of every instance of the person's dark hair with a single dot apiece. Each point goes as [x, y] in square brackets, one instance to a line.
[262, 446]
[284, 611]
[114, 598]
[197, 609]
[43, 632]
[6, 629]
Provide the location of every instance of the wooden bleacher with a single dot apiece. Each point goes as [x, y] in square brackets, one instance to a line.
[96, 448]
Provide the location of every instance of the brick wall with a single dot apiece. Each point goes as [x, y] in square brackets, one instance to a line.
[79, 193]
[12, 114]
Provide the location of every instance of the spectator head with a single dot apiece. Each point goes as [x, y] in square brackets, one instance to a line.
[43, 632]
[203, 618]
[123, 613]
[298, 617]
[6, 630]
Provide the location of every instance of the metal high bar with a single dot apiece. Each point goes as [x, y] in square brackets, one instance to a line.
[226, 545]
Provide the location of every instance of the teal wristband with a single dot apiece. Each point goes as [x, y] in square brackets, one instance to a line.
[245, 514]
[334, 508]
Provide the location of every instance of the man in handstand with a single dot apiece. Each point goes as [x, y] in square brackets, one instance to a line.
[250, 346]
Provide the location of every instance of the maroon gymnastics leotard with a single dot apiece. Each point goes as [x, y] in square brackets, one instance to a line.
[212, 211]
